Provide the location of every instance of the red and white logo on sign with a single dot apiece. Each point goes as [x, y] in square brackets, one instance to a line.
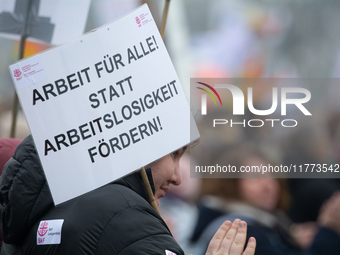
[137, 20]
[42, 230]
[16, 73]
[26, 68]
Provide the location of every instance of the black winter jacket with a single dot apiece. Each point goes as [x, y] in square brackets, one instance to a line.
[114, 219]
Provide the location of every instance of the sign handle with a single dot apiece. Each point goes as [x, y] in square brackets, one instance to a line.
[164, 18]
[142, 171]
[15, 99]
[23, 37]
[149, 190]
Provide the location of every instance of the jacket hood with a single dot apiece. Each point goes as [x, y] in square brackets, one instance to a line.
[25, 196]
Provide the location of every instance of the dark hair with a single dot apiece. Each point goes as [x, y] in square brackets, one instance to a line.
[228, 188]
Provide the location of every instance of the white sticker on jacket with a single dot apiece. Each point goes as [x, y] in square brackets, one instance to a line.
[49, 232]
[169, 253]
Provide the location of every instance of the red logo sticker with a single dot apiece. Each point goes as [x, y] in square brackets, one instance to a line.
[43, 228]
[17, 73]
[137, 20]
[26, 68]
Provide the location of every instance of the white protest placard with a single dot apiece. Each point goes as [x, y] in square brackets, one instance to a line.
[103, 105]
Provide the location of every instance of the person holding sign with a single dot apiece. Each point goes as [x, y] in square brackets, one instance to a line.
[114, 219]
[100, 107]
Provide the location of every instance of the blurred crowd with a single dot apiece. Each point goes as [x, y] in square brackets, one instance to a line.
[263, 39]
[286, 216]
